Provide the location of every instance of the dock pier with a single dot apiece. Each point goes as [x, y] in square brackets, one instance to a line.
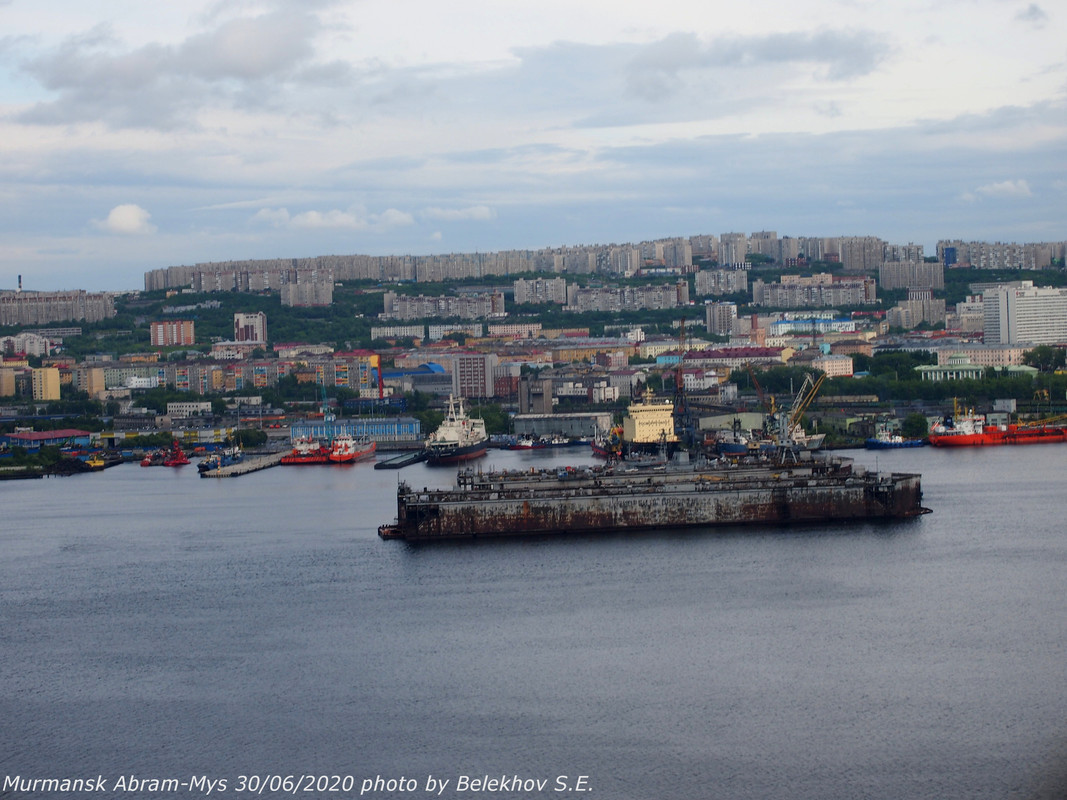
[245, 466]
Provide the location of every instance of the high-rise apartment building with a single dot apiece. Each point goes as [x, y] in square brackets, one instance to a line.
[472, 374]
[1029, 314]
[172, 332]
[721, 318]
[911, 275]
[45, 383]
[721, 281]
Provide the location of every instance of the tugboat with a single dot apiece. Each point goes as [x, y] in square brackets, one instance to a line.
[459, 437]
[884, 439]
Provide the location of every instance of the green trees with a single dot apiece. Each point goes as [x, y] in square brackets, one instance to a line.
[1045, 358]
[914, 426]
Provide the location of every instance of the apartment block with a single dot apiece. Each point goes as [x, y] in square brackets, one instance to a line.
[45, 383]
[720, 281]
[173, 332]
[911, 275]
[38, 308]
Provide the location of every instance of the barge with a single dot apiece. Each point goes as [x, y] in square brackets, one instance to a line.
[622, 498]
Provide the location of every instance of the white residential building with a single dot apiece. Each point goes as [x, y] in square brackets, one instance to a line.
[1034, 315]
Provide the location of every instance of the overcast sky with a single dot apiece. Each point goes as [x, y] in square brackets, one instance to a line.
[138, 135]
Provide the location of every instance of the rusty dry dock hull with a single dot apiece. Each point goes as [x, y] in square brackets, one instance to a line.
[551, 503]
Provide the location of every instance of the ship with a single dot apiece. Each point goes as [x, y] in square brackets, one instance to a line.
[970, 430]
[458, 438]
[527, 443]
[307, 451]
[172, 456]
[347, 448]
[621, 498]
[884, 439]
[223, 458]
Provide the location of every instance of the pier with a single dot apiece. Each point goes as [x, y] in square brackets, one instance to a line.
[402, 460]
[245, 466]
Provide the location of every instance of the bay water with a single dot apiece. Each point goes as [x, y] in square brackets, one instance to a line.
[159, 626]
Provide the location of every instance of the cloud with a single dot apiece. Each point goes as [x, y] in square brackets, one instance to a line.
[355, 219]
[659, 69]
[1019, 188]
[127, 220]
[1034, 15]
[243, 62]
[479, 213]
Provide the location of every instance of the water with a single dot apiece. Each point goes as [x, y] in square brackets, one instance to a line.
[159, 625]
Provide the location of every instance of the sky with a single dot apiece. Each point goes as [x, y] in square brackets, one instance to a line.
[136, 136]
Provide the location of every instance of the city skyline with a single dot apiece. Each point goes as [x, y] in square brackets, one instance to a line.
[143, 137]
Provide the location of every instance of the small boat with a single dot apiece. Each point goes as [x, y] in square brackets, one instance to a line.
[347, 448]
[96, 462]
[527, 443]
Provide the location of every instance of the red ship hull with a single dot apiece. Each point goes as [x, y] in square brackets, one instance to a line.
[1013, 434]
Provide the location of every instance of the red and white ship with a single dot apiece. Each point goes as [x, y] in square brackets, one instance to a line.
[307, 451]
[971, 430]
[347, 448]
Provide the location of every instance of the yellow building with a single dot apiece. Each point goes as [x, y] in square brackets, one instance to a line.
[46, 383]
[7, 382]
[649, 422]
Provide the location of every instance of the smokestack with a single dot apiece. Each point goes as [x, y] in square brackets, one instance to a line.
[20, 284]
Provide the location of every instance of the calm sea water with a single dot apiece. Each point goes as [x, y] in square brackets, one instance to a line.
[158, 625]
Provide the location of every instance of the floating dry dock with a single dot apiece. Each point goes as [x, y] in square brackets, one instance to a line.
[619, 498]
